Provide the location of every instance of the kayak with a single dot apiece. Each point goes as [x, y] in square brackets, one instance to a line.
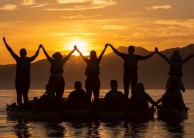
[126, 115]
[172, 114]
[22, 114]
[14, 112]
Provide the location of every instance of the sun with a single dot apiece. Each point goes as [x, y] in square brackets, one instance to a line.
[81, 45]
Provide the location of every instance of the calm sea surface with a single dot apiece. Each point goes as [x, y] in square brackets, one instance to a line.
[150, 129]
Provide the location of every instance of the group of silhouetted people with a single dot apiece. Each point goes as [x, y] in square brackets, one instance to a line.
[113, 99]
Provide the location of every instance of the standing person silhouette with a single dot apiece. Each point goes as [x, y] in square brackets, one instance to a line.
[130, 67]
[92, 82]
[56, 82]
[176, 63]
[22, 81]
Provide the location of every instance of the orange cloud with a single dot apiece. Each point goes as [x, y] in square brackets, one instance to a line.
[164, 7]
[9, 7]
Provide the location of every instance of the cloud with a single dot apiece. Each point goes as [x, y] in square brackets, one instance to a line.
[74, 34]
[40, 5]
[28, 2]
[114, 27]
[164, 7]
[80, 17]
[186, 23]
[86, 5]
[72, 1]
[9, 7]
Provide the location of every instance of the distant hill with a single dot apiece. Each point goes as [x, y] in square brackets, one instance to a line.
[152, 72]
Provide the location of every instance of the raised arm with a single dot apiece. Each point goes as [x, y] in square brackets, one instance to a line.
[68, 56]
[145, 57]
[84, 58]
[46, 54]
[36, 54]
[102, 53]
[10, 50]
[188, 58]
[163, 56]
[116, 51]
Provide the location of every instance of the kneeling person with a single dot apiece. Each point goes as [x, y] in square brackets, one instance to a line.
[77, 99]
[140, 99]
[114, 100]
[172, 98]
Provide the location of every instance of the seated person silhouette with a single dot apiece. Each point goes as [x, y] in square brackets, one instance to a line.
[172, 98]
[48, 96]
[47, 102]
[77, 99]
[140, 99]
[114, 100]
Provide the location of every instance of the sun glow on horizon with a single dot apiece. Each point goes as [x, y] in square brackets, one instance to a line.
[81, 45]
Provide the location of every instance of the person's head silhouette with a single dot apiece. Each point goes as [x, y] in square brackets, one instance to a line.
[93, 55]
[57, 56]
[113, 84]
[77, 85]
[131, 49]
[139, 87]
[175, 55]
[23, 52]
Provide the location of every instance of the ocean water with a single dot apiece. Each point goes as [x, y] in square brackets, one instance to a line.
[150, 129]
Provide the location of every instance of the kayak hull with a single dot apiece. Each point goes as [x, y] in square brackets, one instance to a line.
[172, 114]
[78, 115]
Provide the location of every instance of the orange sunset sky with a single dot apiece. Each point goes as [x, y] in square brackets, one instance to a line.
[60, 24]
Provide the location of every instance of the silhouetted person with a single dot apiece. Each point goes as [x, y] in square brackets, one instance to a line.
[22, 81]
[114, 100]
[56, 82]
[176, 63]
[92, 83]
[140, 99]
[172, 98]
[77, 97]
[130, 67]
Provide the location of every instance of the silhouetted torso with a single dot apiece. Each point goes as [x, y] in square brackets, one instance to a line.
[131, 62]
[114, 100]
[23, 65]
[92, 68]
[77, 97]
[140, 101]
[57, 66]
[176, 68]
[172, 99]
[114, 97]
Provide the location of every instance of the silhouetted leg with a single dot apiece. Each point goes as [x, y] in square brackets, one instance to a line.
[26, 86]
[18, 86]
[51, 84]
[26, 100]
[96, 89]
[126, 83]
[88, 86]
[19, 98]
[60, 90]
[133, 84]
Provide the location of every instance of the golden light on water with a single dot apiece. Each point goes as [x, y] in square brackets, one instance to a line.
[81, 45]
